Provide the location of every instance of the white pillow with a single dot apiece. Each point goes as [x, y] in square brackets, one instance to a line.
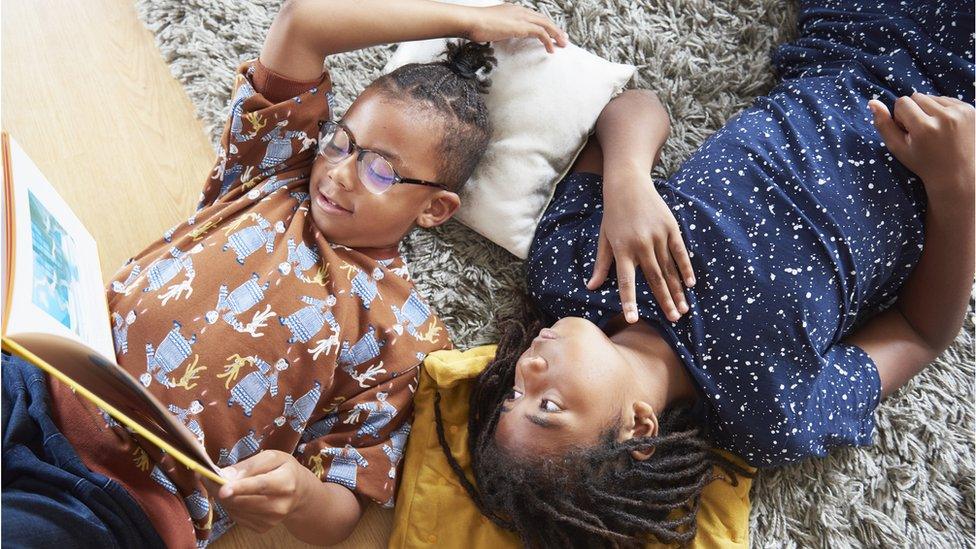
[542, 107]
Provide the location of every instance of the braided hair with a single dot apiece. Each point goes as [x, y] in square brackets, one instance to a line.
[453, 88]
[597, 496]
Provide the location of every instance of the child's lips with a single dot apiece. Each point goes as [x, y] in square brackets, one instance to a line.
[328, 206]
[547, 333]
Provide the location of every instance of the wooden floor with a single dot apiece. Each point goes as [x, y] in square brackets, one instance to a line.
[90, 99]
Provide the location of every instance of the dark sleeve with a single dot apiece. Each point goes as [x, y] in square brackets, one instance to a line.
[831, 403]
[277, 88]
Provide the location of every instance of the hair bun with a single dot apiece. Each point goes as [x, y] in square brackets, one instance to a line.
[471, 61]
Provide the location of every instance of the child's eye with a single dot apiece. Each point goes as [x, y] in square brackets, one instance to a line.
[380, 172]
[513, 394]
[549, 406]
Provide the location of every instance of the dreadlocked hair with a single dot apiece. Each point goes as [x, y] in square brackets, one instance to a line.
[453, 88]
[597, 496]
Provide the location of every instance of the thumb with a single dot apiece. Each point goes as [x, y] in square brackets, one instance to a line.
[892, 135]
[260, 463]
[604, 258]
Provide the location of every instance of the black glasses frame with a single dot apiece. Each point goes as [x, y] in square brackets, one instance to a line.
[333, 127]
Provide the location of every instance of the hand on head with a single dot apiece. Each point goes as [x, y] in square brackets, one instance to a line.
[492, 23]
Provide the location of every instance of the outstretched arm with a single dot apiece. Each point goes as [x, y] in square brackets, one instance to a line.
[937, 144]
[306, 31]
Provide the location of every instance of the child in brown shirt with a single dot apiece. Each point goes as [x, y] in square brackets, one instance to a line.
[279, 322]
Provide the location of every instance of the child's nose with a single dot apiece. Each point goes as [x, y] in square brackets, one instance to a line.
[536, 365]
[344, 173]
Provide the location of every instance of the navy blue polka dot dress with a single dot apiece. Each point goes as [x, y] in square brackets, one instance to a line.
[800, 223]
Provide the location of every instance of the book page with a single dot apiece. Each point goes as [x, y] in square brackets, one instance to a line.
[57, 279]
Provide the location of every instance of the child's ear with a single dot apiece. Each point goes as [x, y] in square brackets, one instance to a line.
[645, 425]
[440, 208]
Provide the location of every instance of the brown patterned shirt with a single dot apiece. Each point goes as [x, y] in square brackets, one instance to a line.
[256, 332]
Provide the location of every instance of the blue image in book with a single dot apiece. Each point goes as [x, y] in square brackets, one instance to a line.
[56, 284]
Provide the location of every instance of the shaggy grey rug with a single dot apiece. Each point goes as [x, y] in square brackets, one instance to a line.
[706, 60]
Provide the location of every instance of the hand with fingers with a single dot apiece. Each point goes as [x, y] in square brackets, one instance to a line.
[510, 21]
[264, 489]
[639, 230]
[933, 137]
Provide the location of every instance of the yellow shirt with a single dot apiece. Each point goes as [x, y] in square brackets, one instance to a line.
[432, 507]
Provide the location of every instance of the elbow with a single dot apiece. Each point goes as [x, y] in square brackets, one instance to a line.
[294, 13]
[289, 10]
[940, 342]
[292, 8]
[290, 15]
[934, 342]
[637, 104]
[650, 101]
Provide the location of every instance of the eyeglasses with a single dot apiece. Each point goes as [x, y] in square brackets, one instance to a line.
[376, 172]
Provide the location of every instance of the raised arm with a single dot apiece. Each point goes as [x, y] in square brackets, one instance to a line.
[638, 228]
[306, 31]
[937, 144]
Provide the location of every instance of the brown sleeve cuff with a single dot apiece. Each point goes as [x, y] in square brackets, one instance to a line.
[277, 88]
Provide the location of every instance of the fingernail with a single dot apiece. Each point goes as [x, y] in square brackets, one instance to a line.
[690, 281]
[684, 307]
[631, 316]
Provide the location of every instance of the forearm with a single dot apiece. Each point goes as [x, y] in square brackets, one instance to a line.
[905, 338]
[933, 137]
[328, 515]
[306, 31]
[933, 300]
[631, 130]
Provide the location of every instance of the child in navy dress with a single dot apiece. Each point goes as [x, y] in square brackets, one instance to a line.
[742, 311]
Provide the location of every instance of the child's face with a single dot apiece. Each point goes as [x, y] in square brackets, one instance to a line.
[410, 138]
[571, 384]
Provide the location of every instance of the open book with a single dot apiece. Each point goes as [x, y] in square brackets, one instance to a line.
[55, 314]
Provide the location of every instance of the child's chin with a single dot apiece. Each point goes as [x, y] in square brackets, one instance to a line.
[339, 234]
[346, 231]
[331, 230]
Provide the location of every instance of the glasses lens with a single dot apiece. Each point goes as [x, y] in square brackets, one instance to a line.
[334, 143]
[376, 173]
